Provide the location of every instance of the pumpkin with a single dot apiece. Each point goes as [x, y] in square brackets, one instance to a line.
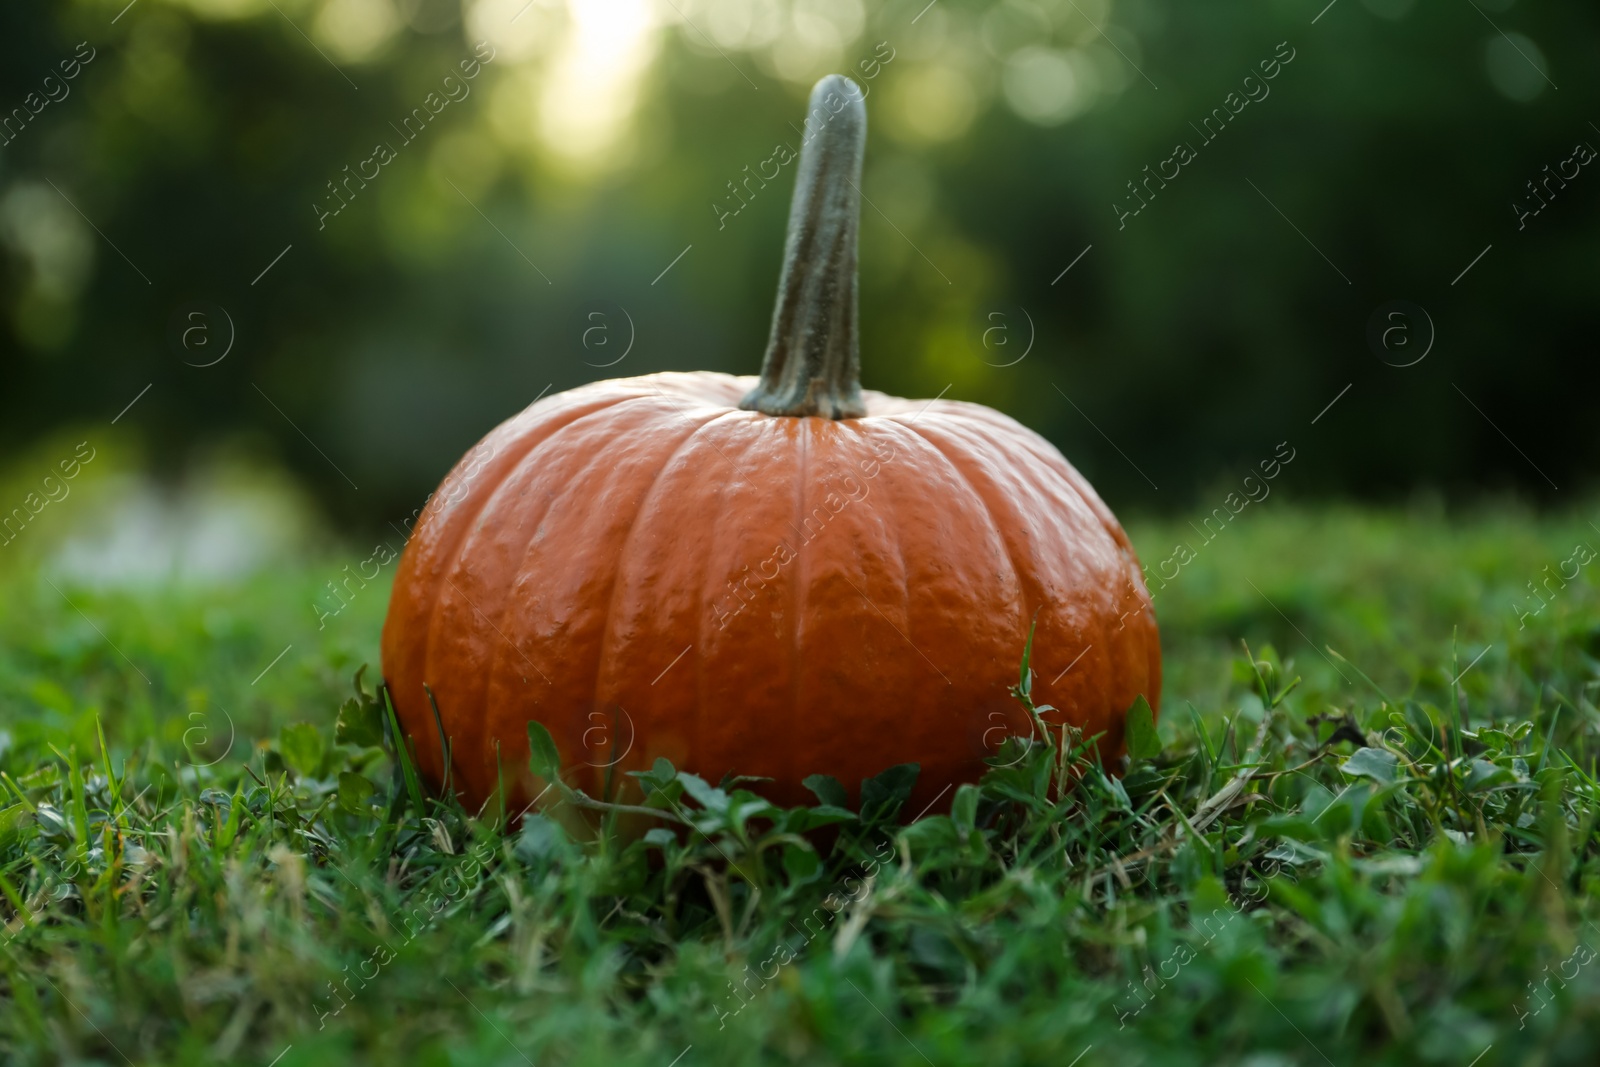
[773, 577]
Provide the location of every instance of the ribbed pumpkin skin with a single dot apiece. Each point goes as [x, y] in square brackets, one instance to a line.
[581, 576]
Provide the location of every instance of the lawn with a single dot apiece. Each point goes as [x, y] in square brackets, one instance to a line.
[1364, 834]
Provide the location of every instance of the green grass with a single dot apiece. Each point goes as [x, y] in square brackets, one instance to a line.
[1393, 861]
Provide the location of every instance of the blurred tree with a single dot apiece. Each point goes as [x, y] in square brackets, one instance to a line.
[583, 206]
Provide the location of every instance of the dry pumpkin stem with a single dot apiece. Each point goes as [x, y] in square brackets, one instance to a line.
[813, 360]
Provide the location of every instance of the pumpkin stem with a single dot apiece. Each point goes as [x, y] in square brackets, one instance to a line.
[813, 360]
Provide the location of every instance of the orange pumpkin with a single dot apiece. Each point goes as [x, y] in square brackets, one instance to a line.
[778, 576]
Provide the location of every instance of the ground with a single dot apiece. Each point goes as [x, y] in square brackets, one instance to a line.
[1389, 862]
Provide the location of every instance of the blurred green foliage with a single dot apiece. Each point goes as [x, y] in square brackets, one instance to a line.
[517, 243]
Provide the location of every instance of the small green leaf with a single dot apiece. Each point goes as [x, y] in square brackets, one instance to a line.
[1294, 827]
[1143, 741]
[964, 809]
[704, 793]
[744, 806]
[302, 747]
[828, 789]
[1025, 672]
[543, 759]
[540, 839]
[1501, 739]
[354, 792]
[882, 797]
[934, 950]
[800, 864]
[1483, 775]
[52, 824]
[1331, 814]
[660, 775]
[1119, 794]
[360, 723]
[1296, 853]
[1143, 780]
[660, 837]
[361, 690]
[931, 833]
[12, 819]
[1375, 763]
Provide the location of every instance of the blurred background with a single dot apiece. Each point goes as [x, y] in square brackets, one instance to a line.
[265, 328]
